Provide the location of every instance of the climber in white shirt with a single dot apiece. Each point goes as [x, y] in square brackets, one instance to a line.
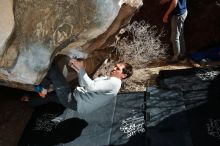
[91, 95]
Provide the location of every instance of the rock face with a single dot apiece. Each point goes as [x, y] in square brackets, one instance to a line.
[35, 31]
[44, 28]
[202, 27]
[6, 24]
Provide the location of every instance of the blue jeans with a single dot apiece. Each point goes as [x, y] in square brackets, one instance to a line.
[61, 87]
[177, 34]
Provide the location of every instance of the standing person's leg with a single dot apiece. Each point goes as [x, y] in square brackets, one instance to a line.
[182, 39]
[175, 34]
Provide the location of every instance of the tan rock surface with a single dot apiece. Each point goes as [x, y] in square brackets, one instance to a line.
[44, 28]
[6, 24]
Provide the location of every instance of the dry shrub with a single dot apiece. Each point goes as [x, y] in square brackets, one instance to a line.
[138, 44]
[142, 45]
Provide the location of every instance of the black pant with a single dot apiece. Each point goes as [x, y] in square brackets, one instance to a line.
[61, 87]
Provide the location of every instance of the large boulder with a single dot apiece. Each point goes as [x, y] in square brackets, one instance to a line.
[46, 28]
[6, 24]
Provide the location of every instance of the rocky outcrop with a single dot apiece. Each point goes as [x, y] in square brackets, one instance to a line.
[45, 28]
[6, 24]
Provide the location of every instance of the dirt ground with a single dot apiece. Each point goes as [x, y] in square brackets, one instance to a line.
[146, 77]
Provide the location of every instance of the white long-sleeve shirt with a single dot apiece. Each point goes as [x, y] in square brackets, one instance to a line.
[93, 94]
